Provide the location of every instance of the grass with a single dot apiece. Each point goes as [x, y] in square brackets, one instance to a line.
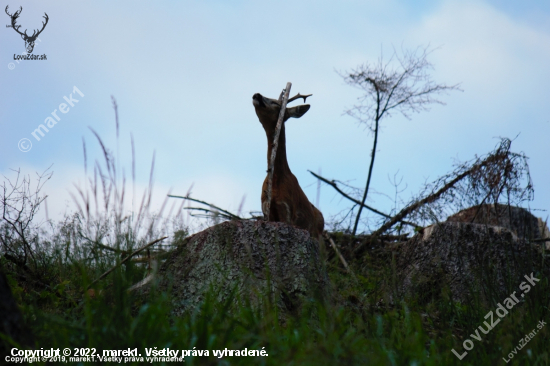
[357, 329]
[366, 323]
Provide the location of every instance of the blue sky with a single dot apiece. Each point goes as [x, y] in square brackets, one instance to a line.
[183, 74]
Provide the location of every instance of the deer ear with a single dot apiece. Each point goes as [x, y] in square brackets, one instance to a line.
[296, 112]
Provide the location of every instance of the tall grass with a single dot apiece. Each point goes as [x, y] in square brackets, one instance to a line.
[357, 329]
[365, 323]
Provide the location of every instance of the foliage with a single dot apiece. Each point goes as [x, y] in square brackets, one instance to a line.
[362, 326]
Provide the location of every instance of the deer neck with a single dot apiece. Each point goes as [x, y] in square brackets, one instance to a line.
[280, 167]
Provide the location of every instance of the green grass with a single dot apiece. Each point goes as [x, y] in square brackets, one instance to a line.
[361, 327]
[366, 323]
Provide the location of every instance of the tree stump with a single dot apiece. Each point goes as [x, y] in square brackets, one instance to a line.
[471, 260]
[520, 221]
[253, 258]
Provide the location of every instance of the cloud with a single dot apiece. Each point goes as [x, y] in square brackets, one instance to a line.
[492, 54]
[183, 75]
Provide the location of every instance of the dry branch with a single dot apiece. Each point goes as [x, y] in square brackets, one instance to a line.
[123, 261]
[333, 245]
[275, 146]
[500, 172]
[221, 210]
[106, 247]
[211, 213]
[491, 159]
[333, 184]
[406, 88]
[19, 203]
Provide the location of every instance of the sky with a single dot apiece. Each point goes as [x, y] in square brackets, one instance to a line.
[183, 74]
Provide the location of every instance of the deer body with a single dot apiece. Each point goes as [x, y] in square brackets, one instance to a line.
[288, 202]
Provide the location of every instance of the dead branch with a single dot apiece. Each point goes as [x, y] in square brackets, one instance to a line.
[123, 261]
[212, 213]
[221, 210]
[492, 159]
[19, 204]
[103, 246]
[284, 102]
[329, 239]
[407, 88]
[333, 184]
[500, 172]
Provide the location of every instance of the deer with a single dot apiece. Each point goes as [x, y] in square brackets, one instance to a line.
[29, 40]
[289, 203]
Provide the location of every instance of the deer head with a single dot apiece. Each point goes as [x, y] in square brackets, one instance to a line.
[288, 202]
[29, 40]
[268, 109]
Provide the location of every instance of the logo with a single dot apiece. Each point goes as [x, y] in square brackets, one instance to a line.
[29, 40]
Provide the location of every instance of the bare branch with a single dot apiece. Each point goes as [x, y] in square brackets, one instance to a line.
[335, 186]
[124, 260]
[333, 246]
[275, 146]
[211, 213]
[406, 88]
[491, 175]
[227, 213]
[19, 204]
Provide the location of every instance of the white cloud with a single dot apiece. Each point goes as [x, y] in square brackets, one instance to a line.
[184, 73]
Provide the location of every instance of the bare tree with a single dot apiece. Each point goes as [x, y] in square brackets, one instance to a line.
[401, 84]
[19, 203]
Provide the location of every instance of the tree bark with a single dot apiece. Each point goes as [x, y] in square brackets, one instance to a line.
[258, 260]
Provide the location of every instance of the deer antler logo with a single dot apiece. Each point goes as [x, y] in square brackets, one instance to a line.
[29, 40]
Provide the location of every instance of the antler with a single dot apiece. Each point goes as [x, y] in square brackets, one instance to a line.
[43, 26]
[14, 17]
[297, 96]
[294, 97]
